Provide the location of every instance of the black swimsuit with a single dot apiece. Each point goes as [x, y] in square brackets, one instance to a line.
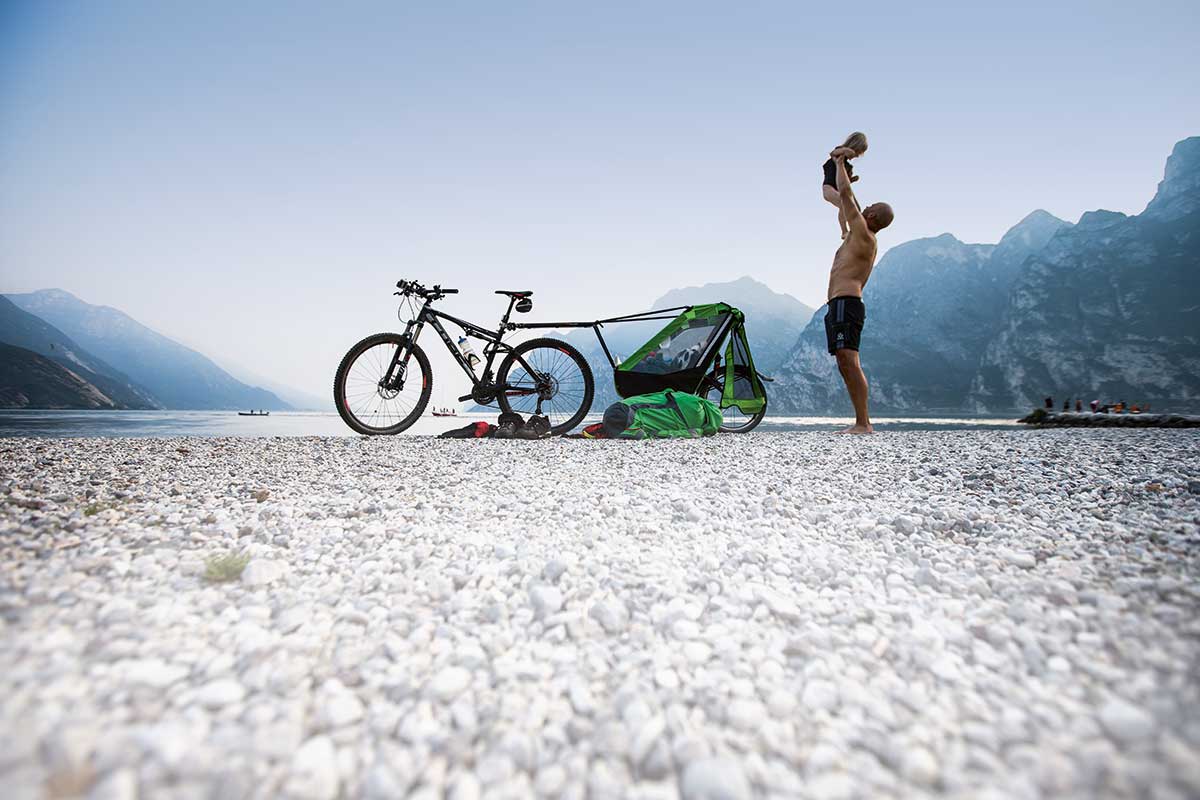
[831, 172]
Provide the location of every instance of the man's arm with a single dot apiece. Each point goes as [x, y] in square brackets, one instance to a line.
[854, 217]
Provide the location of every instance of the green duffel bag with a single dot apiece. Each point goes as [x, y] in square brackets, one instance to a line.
[662, 415]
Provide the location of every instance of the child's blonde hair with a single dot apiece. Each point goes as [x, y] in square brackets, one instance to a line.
[857, 142]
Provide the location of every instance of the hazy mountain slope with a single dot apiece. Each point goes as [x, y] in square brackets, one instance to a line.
[298, 400]
[178, 376]
[21, 329]
[1110, 309]
[30, 380]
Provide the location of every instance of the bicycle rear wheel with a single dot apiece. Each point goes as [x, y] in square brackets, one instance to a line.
[365, 403]
[561, 379]
[732, 418]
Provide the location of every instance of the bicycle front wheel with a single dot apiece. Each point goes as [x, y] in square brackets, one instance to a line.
[364, 398]
[558, 375]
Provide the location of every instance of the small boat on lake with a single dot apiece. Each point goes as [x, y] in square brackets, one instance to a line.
[254, 413]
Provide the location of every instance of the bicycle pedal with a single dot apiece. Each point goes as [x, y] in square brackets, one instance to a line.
[465, 397]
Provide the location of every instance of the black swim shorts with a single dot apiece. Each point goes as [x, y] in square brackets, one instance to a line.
[844, 323]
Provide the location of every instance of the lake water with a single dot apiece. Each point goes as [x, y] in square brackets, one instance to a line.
[317, 423]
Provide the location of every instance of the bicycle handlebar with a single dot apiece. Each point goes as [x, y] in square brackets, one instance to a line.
[412, 287]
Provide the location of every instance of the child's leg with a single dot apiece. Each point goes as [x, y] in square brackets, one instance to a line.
[831, 195]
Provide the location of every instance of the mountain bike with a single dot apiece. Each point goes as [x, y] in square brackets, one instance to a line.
[384, 382]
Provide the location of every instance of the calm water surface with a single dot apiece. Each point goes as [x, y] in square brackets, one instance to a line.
[317, 423]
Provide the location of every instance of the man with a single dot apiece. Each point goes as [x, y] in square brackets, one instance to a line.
[852, 266]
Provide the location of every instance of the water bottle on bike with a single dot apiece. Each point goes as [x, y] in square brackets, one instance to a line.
[468, 352]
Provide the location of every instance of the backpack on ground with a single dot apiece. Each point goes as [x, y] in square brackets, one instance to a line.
[662, 415]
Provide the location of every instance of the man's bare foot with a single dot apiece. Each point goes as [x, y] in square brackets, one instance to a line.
[858, 429]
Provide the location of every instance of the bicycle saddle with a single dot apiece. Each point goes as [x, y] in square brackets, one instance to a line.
[514, 294]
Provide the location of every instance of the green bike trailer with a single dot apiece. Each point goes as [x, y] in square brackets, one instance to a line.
[681, 354]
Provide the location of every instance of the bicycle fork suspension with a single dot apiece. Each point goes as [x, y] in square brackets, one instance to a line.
[393, 379]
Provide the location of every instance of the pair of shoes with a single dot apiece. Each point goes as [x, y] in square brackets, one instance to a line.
[511, 426]
[536, 427]
[508, 425]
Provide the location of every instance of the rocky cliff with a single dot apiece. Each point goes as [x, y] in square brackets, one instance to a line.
[1109, 309]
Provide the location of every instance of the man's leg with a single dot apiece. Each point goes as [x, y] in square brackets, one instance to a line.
[856, 385]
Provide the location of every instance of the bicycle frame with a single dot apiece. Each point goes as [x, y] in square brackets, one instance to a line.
[494, 345]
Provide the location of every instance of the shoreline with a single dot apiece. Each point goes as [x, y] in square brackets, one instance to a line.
[1083, 419]
[59, 424]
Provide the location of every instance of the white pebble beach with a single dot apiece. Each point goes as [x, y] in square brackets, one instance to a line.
[970, 614]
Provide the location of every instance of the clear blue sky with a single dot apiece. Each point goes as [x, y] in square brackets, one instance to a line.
[252, 177]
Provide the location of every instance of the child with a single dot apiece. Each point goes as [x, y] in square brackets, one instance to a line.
[856, 142]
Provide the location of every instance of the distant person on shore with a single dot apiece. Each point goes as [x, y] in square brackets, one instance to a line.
[852, 265]
[856, 144]
[1095, 406]
[1067, 404]
[1078, 405]
[1049, 403]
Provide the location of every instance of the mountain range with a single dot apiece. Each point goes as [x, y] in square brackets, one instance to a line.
[1106, 308]
[99, 357]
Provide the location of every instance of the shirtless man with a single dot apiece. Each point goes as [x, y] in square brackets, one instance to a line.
[852, 266]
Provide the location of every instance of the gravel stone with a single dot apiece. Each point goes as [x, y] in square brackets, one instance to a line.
[220, 693]
[714, 779]
[314, 773]
[553, 570]
[120, 784]
[819, 695]
[546, 600]
[1125, 722]
[449, 683]
[154, 673]
[1023, 560]
[921, 767]
[338, 705]
[260, 572]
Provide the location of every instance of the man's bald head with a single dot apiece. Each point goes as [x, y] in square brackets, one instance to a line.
[878, 216]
